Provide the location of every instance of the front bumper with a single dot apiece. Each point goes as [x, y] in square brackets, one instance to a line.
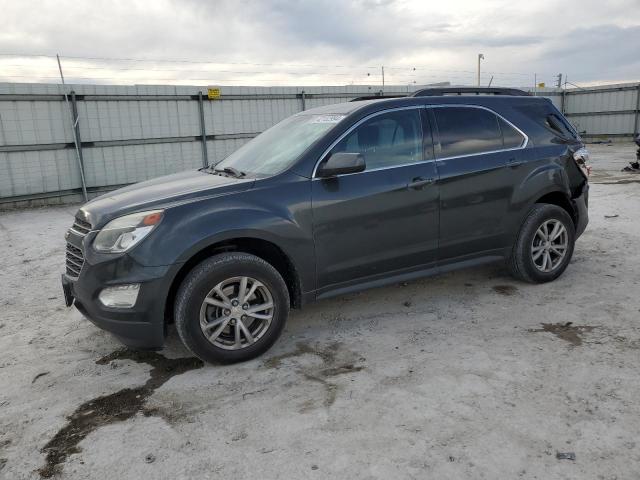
[581, 206]
[141, 326]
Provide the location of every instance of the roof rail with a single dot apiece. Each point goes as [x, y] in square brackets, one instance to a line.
[376, 97]
[437, 92]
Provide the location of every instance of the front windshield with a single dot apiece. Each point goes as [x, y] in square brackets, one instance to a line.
[277, 148]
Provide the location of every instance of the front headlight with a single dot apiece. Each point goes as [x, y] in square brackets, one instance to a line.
[123, 233]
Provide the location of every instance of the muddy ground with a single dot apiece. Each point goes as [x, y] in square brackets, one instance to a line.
[467, 375]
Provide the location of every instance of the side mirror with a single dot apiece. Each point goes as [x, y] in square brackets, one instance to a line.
[341, 163]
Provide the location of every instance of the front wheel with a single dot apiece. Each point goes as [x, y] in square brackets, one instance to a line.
[232, 307]
[544, 245]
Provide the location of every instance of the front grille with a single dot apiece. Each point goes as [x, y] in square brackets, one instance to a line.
[81, 226]
[75, 256]
[75, 260]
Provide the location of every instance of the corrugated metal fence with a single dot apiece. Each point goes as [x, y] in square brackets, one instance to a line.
[604, 112]
[133, 133]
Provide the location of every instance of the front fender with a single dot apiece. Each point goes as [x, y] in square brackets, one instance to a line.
[270, 211]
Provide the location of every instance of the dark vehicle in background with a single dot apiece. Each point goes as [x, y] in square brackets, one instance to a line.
[330, 201]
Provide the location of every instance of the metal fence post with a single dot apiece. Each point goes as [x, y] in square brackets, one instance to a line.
[203, 132]
[76, 128]
[636, 121]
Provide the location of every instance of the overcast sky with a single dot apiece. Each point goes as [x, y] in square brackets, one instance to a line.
[316, 42]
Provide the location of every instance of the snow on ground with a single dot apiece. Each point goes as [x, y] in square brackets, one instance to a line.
[450, 377]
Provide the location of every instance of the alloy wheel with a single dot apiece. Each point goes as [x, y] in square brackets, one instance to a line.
[549, 245]
[236, 313]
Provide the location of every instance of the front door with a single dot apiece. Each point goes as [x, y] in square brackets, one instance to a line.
[382, 220]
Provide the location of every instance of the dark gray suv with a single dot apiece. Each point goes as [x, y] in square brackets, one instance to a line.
[330, 201]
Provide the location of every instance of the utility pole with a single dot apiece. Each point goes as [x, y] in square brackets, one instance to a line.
[559, 80]
[382, 68]
[480, 57]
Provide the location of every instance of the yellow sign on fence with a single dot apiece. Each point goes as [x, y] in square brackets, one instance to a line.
[213, 93]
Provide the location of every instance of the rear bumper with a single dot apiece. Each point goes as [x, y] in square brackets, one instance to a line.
[141, 326]
[581, 206]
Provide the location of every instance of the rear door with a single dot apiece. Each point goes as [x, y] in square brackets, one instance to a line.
[476, 151]
[384, 219]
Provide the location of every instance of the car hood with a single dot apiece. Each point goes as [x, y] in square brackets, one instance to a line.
[160, 192]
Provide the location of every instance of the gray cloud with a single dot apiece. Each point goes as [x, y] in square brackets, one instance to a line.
[585, 39]
[596, 53]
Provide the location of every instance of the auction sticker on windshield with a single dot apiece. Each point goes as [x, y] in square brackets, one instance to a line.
[326, 118]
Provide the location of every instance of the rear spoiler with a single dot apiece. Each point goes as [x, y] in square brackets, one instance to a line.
[438, 92]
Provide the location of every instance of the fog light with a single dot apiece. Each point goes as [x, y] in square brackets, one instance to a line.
[120, 296]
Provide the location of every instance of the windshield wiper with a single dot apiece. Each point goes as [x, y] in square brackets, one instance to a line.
[234, 172]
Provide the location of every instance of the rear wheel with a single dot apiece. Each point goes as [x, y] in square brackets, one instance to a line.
[231, 307]
[544, 245]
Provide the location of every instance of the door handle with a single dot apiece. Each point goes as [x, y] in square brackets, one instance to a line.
[419, 182]
[512, 162]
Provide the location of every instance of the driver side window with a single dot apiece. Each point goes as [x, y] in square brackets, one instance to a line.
[386, 140]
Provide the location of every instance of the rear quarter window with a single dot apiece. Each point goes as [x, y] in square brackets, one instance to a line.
[511, 137]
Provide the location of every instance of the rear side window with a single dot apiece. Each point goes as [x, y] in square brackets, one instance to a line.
[467, 131]
[512, 138]
[386, 140]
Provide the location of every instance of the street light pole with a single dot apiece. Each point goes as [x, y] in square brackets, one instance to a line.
[480, 57]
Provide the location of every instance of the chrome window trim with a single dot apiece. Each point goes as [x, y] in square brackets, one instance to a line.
[356, 125]
[437, 158]
[521, 147]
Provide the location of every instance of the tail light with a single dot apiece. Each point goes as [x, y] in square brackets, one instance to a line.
[581, 157]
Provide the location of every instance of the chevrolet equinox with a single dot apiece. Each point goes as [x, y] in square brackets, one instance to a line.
[329, 201]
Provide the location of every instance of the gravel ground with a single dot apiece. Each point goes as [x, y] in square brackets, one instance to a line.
[466, 375]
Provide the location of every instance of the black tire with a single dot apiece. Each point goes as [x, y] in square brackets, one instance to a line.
[207, 275]
[520, 263]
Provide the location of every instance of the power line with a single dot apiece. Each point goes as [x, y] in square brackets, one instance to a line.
[216, 62]
[248, 72]
[157, 60]
[309, 74]
[243, 72]
[161, 70]
[147, 69]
